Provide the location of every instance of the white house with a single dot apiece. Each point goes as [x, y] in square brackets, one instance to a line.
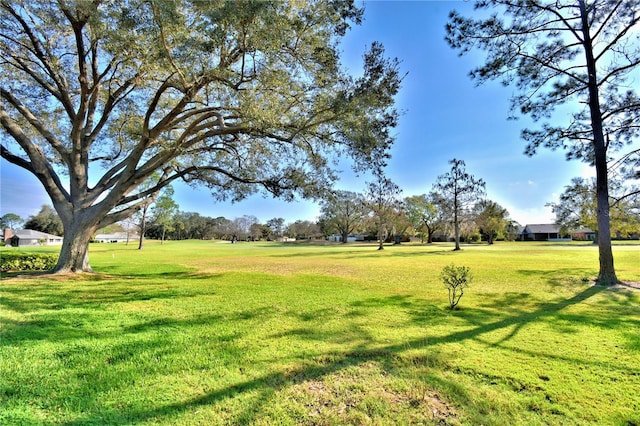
[116, 237]
[29, 237]
[337, 238]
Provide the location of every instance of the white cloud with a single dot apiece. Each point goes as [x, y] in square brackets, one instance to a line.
[531, 215]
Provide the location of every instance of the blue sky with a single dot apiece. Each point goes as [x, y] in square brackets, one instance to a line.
[445, 116]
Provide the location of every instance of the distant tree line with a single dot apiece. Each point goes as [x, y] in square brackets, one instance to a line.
[455, 209]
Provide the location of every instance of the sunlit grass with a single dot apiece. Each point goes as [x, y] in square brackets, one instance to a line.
[213, 333]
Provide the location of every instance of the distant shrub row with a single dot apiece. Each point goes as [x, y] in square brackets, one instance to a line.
[10, 261]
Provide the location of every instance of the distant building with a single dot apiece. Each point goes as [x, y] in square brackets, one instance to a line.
[30, 238]
[337, 238]
[543, 232]
[116, 237]
[351, 238]
[583, 234]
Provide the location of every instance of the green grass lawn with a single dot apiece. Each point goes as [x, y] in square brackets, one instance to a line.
[202, 332]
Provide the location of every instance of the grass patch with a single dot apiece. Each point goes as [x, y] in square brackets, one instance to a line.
[210, 333]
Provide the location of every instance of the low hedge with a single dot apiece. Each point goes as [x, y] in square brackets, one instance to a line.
[10, 261]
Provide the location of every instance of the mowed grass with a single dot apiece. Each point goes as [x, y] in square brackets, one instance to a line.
[201, 332]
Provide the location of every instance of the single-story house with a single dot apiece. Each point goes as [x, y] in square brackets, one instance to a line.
[583, 234]
[351, 238]
[543, 232]
[285, 239]
[337, 238]
[29, 237]
[116, 237]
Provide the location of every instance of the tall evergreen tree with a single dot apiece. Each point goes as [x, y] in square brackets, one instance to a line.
[459, 190]
[578, 55]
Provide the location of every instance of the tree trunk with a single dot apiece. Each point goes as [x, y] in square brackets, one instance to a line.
[345, 236]
[607, 274]
[74, 255]
[143, 226]
[456, 227]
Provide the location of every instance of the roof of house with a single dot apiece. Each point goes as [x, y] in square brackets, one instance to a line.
[546, 228]
[30, 234]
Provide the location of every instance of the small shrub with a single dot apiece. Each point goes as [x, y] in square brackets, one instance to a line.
[27, 261]
[456, 279]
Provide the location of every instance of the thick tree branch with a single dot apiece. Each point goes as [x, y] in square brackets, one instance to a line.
[36, 124]
[38, 165]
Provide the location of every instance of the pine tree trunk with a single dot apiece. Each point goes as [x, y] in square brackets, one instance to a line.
[456, 228]
[607, 274]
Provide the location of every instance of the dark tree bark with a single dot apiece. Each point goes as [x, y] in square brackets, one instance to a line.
[241, 97]
[607, 273]
[567, 53]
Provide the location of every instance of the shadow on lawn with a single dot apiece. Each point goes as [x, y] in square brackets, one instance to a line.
[370, 251]
[260, 390]
[69, 326]
[51, 294]
[561, 277]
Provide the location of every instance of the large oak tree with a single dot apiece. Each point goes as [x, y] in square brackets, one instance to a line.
[424, 214]
[577, 208]
[491, 218]
[575, 65]
[107, 103]
[343, 212]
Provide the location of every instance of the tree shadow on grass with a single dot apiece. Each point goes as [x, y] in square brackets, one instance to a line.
[562, 277]
[260, 390]
[59, 326]
[51, 294]
[371, 251]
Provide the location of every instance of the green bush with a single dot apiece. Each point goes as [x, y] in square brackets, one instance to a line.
[19, 261]
[456, 279]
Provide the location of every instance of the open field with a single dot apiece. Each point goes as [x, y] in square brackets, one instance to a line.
[202, 332]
